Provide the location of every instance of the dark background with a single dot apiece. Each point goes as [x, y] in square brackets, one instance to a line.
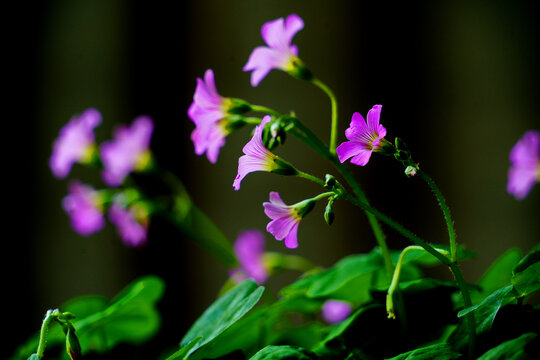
[458, 81]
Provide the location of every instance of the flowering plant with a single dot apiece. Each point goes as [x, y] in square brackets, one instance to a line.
[366, 306]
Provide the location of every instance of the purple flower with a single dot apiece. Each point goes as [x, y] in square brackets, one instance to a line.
[364, 137]
[285, 218]
[280, 53]
[335, 311]
[249, 249]
[207, 112]
[131, 223]
[524, 171]
[257, 157]
[128, 151]
[74, 143]
[82, 204]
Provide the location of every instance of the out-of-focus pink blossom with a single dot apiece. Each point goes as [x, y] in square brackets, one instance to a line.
[128, 151]
[84, 209]
[74, 143]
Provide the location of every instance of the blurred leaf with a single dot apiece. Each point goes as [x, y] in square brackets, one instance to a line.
[131, 317]
[433, 352]
[498, 275]
[283, 352]
[526, 278]
[529, 259]
[221, 315]
[485, 312]
[203, 231]
[510, 350]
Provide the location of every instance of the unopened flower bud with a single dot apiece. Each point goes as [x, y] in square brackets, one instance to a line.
[410, 171]
[329, 212]
[73, 347]
[329, 181]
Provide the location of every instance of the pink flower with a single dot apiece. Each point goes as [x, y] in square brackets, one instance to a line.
[82, 204]
[285, 218]
[249, 249]
[74, 143]
[335, 311]
[207, 112]
[280, 53]
[524, 171]
[131, 223]
[257, 157]
[129, 151]
[364, 137]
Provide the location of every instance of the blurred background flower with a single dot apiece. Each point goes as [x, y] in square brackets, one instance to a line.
[459, 82]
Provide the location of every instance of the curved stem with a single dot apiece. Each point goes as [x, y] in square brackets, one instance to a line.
[399, 228]
[446, 213]
[43, 333]
[395, 279]
[333, 102]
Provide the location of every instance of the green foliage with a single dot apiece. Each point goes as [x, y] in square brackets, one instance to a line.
[131, 317]
[510, 350]
[220, 316]
[283, 352]
[433, 352]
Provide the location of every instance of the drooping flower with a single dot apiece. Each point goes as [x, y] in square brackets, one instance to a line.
[335, 311]
[280, 53]
[83, 206]
[258, 158]
[286, 218]
[129, 151]
[210, 111]
[365, 138]
[524, 170]
[131, 223]
[249, 250]
[74, 143]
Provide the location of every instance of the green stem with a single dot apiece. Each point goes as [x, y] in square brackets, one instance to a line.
[395, 279]
[399, 228]
[265, 110]
[310, 177]
[446, 212]
[333, 102]
[471, 323]
[305, 134]
[43, 333]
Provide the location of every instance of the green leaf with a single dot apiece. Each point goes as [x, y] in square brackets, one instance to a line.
[183, 352]
[221, 315]
[486, 311]
[433, 352]
[498, 275]
[526, 278]
[283, 352]
[529, 259]
[130, 317]
[510, 350]
[348, 279]
[33, 357]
